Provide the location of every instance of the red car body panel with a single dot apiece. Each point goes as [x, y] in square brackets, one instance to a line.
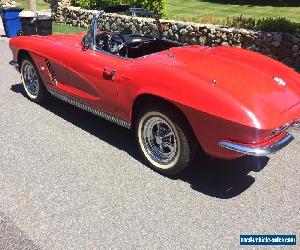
[225, 93]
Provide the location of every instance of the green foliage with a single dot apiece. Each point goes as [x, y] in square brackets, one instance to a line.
[240, 22]
[279, 24]
[157, 5]
[95, 4]
[40, 5]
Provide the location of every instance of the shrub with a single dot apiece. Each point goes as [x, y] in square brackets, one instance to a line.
[279, 24]
[241, 22]
[157, 5]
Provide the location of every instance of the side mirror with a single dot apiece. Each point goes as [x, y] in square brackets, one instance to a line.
[85, 42]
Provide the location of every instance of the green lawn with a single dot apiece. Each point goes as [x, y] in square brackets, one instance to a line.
[60, 28]
[40, 5]
[193, 10]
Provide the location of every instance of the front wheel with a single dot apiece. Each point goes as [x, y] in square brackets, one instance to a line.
[32, 83]
[165, 141]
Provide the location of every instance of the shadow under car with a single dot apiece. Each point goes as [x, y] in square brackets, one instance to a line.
[213, 177]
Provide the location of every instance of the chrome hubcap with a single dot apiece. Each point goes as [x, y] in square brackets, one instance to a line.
[159, 140]
[30, 79]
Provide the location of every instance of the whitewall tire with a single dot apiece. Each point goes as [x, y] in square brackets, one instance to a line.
[164, 141]
[32, 83]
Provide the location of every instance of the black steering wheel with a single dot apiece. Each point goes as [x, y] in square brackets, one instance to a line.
[103, 41]
[112, 43]
[117, 45]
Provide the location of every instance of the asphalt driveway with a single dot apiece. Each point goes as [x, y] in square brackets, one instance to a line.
[70, 180]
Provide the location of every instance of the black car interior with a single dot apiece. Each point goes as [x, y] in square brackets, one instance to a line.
[129, 45]
[132, 45]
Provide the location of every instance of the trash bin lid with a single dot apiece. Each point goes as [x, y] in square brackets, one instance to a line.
[44, 17]
[12, 9]
[44, 13]
[27, 14]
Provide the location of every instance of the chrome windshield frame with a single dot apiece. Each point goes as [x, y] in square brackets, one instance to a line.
[93, 27]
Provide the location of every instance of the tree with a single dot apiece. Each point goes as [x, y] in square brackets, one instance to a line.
[32, 5]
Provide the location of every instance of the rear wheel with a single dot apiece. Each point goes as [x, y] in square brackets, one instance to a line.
[165, 141]
[32, 83]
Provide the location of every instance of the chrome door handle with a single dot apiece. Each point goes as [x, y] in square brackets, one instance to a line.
[109, 74]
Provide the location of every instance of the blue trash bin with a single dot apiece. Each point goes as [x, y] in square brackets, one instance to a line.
[11, 21]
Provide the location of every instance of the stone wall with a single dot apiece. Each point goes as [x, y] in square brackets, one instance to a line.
[7, 3]
[57, 7]
[281, 46]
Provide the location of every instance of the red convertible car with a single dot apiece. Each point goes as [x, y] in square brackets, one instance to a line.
[181, 100]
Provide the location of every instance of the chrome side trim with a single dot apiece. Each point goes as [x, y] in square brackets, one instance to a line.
[15, 65]
[255, 151]
[51, 72]
[91, 109]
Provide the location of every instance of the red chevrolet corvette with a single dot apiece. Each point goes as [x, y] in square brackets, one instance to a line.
[227, 102]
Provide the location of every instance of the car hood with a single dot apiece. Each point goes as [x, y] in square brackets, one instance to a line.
[246, 76]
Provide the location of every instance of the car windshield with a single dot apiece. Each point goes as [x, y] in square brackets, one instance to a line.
[128, 23]
[127, 36]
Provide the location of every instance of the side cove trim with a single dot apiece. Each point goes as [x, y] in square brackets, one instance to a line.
[91, 109]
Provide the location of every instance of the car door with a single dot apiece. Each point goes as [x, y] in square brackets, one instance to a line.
[93, 77]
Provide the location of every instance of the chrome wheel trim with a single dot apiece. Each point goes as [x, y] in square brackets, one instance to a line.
[159, 140]
[30, 79]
